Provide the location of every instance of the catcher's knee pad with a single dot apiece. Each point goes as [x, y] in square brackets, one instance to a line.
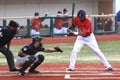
[40, 58]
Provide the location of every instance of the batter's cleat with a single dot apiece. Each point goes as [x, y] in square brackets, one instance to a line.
[34, 71]
[22, 74]
[14, 70]
[70, 69]
[110, 69]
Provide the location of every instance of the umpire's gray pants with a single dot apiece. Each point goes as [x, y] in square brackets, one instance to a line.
[9, 56]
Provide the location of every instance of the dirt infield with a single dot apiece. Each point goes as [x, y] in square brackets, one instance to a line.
[51, 40]
[58, 71]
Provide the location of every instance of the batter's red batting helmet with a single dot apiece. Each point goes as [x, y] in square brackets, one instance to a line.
[81, 14]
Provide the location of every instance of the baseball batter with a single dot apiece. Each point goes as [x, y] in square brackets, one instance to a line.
[27, 56]
[85, 36]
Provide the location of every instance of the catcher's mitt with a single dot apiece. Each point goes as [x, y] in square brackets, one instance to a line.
[58, 49]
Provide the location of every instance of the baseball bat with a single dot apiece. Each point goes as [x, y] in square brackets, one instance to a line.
[73, 10]
[70, 30]
[72, 20]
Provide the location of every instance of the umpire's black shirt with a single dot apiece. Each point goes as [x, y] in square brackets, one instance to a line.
[6, 36]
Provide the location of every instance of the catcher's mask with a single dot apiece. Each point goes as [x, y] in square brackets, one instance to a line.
[81, 14]
[36, 39]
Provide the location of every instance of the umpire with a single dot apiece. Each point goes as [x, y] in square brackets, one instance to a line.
[6, 35]
[27, 56]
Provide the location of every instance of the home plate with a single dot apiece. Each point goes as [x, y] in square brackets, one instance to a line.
[67, 76]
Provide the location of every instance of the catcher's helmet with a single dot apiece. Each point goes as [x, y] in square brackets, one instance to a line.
[81, 14]
[36, 39]
[13, 24]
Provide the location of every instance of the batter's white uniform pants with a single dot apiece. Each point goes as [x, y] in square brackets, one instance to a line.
[90, 41]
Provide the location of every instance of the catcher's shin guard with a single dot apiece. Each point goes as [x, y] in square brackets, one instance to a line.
[27, 64]
[35, 65]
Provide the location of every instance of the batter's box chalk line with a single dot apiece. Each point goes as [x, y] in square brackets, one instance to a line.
[106, 73]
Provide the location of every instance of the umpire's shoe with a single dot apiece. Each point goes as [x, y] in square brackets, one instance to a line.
[14, 70]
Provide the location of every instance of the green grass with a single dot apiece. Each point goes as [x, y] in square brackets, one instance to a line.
[86, 55]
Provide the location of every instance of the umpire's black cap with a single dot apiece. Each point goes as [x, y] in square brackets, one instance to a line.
[13, 24]
[36, 39]
[81, 14]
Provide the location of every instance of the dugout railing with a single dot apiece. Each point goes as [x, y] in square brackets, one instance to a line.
[47, 29]
[105, 24]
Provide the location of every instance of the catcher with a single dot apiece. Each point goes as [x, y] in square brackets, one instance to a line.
[27, 56]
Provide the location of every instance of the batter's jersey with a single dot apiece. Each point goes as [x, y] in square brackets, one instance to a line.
[31, 50]
[83, 26]
[6, 36]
